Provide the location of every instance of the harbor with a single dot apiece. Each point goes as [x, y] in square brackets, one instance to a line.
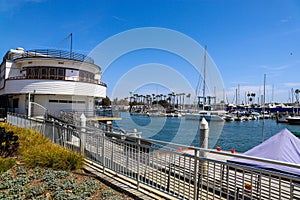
[240, 135]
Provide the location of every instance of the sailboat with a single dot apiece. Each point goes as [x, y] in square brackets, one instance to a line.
[205, 112]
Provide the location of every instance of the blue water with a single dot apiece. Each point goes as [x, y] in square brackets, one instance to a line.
[241, 136]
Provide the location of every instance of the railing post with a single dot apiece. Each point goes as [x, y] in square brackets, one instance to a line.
[82, 132]
[29, 122]
[204, 132]
[103, 152]
[138, 162]
[53, 127]
[195, 174]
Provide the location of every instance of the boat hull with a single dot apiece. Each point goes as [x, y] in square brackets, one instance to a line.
[207, 117]
[293, 120]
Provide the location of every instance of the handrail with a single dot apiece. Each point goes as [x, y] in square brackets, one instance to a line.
[88, 81]
[170, 144]
[159, 165]
[52, 53]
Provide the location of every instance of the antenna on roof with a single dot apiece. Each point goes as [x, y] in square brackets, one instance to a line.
[71, 42]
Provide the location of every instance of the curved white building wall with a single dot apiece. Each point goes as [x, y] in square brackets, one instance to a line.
[53, 87]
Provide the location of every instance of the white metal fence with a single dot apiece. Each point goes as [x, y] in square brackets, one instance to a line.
[159, 165]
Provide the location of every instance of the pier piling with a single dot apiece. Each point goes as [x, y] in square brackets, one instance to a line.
[204, 133]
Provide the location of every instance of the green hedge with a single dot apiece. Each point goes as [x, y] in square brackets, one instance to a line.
[35, 150]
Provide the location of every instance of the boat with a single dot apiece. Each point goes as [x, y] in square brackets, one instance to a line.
[208, 115]
[293, 120]
[239, 118]
[206, 111]
[49, 80]
[281, 118]
[173, 114]
[228, 118]
[255, 115]
[265, 115]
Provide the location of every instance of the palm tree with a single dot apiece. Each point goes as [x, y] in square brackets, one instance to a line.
[130, 97]
[248, 95]
[252, 96]
[183, 95]
[170, 98]
[153, 97]
[189, 97]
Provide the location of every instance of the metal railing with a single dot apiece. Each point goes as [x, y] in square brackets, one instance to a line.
[53, 53]
[165, 168]
[58, 78]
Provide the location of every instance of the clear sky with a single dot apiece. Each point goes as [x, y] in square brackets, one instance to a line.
[245, 39]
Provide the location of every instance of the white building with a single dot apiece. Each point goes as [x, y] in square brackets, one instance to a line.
[57, 80]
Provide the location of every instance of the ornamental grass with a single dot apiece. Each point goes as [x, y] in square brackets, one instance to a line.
[37, 151]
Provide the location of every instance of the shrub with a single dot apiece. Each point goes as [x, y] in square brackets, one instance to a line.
[6, 164]
[34, 191]
[35, 150]
[108, 193]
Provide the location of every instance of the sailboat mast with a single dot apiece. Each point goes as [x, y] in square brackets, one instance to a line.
[204, 76]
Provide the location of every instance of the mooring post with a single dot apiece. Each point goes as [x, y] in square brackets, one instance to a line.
[203, 143]
[204, 133]
[82, 125]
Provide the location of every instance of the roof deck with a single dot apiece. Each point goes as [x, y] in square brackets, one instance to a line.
[49, 53]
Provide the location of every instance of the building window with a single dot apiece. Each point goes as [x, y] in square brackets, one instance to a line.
[56, 73]
[85, 76]
[52, 73]
[36, 73]
[61, 74]
[44, 73]
[65, 101]
[29, 73]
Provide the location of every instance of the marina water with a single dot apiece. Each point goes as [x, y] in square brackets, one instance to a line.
[241, 136]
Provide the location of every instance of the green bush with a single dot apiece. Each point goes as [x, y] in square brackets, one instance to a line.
[6, 164]
[35, 150]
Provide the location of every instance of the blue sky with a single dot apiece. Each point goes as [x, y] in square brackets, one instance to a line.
[245, 39]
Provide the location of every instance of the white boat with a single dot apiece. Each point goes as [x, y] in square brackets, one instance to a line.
[265, 115]
[228, 118]
[52, 80]
[208, 115]
[173, 115]
[239, 118]
[295, 120]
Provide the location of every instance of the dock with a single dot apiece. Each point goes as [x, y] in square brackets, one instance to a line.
[103, 119]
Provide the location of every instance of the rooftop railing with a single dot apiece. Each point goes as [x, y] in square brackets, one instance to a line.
[83, 81]
[52, 53]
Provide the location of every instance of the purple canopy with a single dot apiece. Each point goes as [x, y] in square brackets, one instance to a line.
[283, 146]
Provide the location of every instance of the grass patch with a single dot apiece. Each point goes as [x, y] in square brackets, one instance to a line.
[6, 164]
[35, 150]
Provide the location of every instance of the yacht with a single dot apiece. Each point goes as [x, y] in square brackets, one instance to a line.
[53, 80]
[208, 115]
[294, 120]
